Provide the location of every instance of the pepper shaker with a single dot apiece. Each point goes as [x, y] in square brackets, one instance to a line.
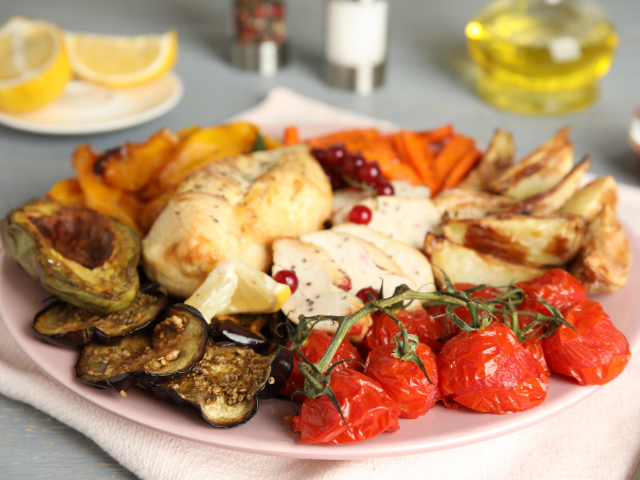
[260, 34]
[356, 44]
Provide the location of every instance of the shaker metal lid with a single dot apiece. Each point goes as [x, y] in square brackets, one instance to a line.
[263, 57]
[362, 79]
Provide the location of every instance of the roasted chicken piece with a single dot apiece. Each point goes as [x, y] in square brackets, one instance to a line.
[235, 208]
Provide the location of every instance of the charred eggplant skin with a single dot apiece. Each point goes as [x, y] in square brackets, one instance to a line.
[281, 368]
[80, 337]
[277, 374]
[81, 256]
[229, 331]
[191, 351]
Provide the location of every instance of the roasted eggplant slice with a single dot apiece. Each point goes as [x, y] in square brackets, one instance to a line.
[231, 328]
[83, 257]
[226, 385]
[64, 325]
[176, 344]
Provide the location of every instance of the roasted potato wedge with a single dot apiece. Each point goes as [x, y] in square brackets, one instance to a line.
[604, 263]
[539, 171]
[589, 200]
[541, 240]
[497, 158]
[552, 200]
[462, 264]
[467, 204]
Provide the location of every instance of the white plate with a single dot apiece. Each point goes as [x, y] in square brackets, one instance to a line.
[267, 433]
[87, 108]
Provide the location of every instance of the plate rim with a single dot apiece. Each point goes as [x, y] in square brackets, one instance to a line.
[11, 121]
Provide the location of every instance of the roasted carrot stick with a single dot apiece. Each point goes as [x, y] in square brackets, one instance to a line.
[450, 155]
[291, 136]
[417, 154]
[460, 170]
[350, 138]
[437, 134]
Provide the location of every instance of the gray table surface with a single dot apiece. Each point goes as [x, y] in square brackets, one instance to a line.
[429, 83]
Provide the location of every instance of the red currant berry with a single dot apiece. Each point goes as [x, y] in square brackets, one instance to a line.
[336, 155]
[363, 294]
[352, 163]
[287, 277]
[320, 155]
[384, 188]
[334, 177]
[345, 284]
[360, 214]
[369, 173]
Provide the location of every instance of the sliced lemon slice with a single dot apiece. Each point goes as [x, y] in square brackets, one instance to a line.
[235, 287]
[121, 61]
[33, 64]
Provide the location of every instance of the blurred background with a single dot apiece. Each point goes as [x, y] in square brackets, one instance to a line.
[429, 80]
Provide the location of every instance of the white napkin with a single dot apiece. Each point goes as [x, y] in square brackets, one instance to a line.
[597, 439]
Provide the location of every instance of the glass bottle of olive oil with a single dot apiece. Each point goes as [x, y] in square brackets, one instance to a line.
[541, 56]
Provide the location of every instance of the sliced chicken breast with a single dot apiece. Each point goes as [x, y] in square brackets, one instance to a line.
[411, 260]
[405, 219]
[319, 286]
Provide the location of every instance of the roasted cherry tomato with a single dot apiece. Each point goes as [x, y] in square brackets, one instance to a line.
[367, 408]
[559, 288]
[317, 344]
[596, 355]
[403, 380]
[534, 345]
[490, 371]
[487, 293]
[429, 330]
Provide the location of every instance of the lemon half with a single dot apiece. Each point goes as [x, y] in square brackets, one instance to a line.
[116, 61]
[33, 64]
[235, 287]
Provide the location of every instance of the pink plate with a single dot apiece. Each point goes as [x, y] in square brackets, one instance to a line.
[267, 433]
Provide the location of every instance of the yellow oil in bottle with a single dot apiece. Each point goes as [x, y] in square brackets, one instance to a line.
[541, 56]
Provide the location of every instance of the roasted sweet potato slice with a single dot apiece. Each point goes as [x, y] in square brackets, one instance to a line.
[67, 191]
[131, 166]
[99, 196]
[201, 147]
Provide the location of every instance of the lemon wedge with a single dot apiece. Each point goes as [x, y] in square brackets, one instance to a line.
[235, 287]
[33, 64]
[116, 61]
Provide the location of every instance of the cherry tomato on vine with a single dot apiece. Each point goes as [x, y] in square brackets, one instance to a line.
[487, 293]
[429, 330]
[559, 288]
[403, 380]
[491, 371]
[534, 345]
[596, 355]
[317, 344]
[368, 410]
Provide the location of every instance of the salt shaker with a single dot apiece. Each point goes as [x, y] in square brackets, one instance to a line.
[356, 44]
[260, 34]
